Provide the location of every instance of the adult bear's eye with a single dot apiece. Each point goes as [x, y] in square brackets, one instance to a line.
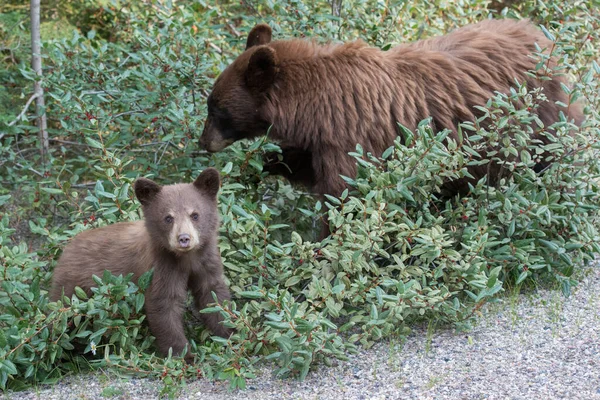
[169, 219]
[195, 216]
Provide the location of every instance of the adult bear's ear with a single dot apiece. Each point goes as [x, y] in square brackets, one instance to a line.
[262, 69]
[146, 190]
[259, 35]
[208, 182]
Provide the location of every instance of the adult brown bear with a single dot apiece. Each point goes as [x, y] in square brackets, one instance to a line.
[321, 100]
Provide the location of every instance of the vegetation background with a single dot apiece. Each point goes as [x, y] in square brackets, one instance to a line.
[125, 86]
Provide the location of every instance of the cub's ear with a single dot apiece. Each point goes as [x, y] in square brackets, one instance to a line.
[259, 35]
[262, 69]
[208, 182]
[146, 190]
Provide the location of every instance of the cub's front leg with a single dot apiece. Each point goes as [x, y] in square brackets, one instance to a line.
[203, 281]
[165, 302]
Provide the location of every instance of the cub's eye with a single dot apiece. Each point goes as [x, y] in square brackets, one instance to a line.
[169, 219]
[195, 216]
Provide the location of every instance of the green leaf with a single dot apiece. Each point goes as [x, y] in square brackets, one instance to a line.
[3, 341]
[4, 199]
[139, 302]
[145, 279]
[96, 335]
[9, 367]
[547, 33]
[374, 314]
[251, 294]
[278, 325]
[522, 276]
[337, 289]
[293, 280]
[550, 245]
[388, 152]
[284, 343]
[94, 143]
[52, 190]
[240, 211]
[228, 167]
[80, 293]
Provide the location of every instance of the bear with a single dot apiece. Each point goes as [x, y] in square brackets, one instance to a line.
[178, 238]
[319, 101]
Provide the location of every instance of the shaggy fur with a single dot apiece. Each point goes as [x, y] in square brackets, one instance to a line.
[322, 100]
[178, 238]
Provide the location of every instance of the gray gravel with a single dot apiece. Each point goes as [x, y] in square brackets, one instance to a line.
[538, 345]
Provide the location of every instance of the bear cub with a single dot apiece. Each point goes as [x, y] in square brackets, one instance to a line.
[178, 238]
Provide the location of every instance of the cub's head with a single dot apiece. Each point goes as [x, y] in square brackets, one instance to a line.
[181, 217]
[235, 103]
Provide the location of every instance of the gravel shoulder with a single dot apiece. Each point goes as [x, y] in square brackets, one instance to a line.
[536, 345]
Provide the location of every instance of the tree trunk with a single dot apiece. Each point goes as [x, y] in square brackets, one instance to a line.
[36, 65]
[336, 7]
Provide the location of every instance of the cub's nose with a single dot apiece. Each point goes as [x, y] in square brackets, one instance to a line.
[184, 240]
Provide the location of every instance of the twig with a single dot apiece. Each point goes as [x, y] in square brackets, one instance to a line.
[94, 92]
[11, 54]
[68, 142]
[32, 98]
[140, 150]
[151, 144]
[249, 6]
[217, 48]
[31, 169]
[199, 153]
[233, 30]
[83, 185]
[172, 144]
[193, 91]
[162, 154]
[124, 61]
[128, 113]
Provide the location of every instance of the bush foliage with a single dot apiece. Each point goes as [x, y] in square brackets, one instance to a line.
[125, 92]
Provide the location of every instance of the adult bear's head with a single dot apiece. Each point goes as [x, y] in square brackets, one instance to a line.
[235, 103]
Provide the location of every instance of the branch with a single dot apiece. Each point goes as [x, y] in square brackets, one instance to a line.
[233, 30]
[30, 169]
[214, 46]
[36, 65]
[32, 98]
[68, 142]
[128, 113]
[93, 92]
[83, 185]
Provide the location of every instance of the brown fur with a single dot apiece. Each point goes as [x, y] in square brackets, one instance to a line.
[322, 100]
[191, 262]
